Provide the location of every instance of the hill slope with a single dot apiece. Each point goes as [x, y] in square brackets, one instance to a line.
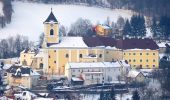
[28, 18]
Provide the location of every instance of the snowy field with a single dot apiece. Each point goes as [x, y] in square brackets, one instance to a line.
[28, 18]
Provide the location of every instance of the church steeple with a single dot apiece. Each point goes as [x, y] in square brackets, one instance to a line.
[51, 18]
[51, 29]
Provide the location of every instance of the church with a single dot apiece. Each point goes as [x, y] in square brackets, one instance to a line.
[58, 50]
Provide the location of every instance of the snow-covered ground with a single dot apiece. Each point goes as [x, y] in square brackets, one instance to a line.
[28, 18]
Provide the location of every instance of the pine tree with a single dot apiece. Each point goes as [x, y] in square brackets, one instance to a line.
[135, 95]
[134, 23]
[165, 26]
[156, 29]
[127, 29]
[142, 26]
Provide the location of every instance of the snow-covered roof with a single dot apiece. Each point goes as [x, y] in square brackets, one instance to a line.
[86, 65]
[94, 64]
[123, 62]
[112, 64]
[39, 54]
[34, 73]
[76, 79]
[133, 73]
[163, 44]
[74, 42]
[105, 26]
[92, 72]
[25, 95]
[43, 98]
[21, 71]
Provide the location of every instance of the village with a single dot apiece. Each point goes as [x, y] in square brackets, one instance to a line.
[67, 67]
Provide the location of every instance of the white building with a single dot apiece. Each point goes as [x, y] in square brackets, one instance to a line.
[97, 72]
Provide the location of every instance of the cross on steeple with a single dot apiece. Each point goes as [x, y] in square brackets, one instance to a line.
[51, 9]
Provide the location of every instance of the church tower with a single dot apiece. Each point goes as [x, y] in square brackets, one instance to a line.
[51, 29]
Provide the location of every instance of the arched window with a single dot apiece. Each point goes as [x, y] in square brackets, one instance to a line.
[51, 32]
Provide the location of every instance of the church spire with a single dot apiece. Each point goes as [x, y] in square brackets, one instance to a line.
[51, 18]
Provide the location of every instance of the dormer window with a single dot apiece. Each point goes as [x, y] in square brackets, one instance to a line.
[51, 32]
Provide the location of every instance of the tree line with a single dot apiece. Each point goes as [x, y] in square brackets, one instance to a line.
[135, 27]
[12, 46]
[161, 28]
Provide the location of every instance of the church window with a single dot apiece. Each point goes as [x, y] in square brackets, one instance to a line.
[67, 55]
[100, 55]
[80, 55]
[41, 65]
[51, 32]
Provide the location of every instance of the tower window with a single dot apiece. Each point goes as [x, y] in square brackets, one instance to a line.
[51, 32]
[100, 55]
[67, 55]
[80, 55]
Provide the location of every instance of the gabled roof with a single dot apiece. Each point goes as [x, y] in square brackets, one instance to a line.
[19, 71]
[51, 18]
[136, 43]
[99, 41]
[125, 44]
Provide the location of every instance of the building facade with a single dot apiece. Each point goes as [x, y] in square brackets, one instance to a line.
[97, 72]
[22, 76]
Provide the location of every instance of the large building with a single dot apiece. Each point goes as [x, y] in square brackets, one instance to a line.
[57, 50]
[98, 72]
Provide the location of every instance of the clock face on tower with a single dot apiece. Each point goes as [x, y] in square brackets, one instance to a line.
[51, 25]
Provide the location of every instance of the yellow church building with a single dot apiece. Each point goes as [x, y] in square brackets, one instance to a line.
[57, 50]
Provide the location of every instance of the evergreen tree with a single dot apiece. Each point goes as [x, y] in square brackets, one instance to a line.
[138, 26]
[142, 27]
[134, 22]
[165, 26]
[135, 95]
[127, 29]
[156, 29]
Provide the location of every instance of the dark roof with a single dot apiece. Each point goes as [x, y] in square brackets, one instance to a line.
[15, 73]
[99, 41]
[136, 43]
[50, 44]
[133, 43]
[51, 17]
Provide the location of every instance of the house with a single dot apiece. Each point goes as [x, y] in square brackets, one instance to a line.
[22, 75]
[103, 30]
[135, 76]
[95, 72]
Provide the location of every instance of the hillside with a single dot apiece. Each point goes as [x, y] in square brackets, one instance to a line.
[28, 18]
